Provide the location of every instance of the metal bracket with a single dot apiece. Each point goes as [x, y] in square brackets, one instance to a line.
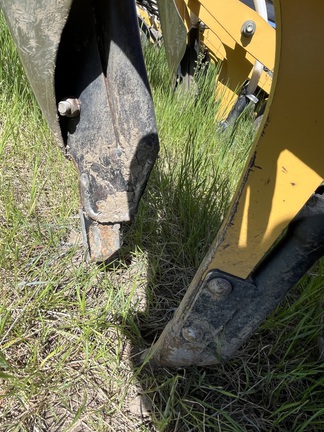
[217, 315]
[219, 312]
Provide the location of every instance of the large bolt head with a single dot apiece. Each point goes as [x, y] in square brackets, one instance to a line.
[69, 107]
[219, 287]
[248, 28]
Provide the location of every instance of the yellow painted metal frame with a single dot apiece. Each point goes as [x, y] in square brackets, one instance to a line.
[285, 167]
[225, 43]
[283, 170]
[148, 20]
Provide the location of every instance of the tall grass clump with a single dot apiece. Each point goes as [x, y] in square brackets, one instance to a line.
[70, 331]
[195, 159]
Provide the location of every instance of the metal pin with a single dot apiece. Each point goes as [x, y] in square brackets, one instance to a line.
[248, 28]
[69, 107]
[219, 287]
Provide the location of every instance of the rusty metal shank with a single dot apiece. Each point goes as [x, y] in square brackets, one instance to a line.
[84, 61]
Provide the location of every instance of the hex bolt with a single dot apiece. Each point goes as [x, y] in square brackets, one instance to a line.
[219, 287]
[69, 107]
[192, 333]
[248, 28]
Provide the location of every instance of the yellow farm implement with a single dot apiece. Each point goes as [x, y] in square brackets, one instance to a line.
[84, 61]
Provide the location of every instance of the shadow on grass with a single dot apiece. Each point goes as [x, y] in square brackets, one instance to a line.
[176, 224]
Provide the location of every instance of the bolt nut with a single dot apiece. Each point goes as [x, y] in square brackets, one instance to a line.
[69, 107]
[219, 287]
[248, 29]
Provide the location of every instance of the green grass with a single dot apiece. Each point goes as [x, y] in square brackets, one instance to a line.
[69, 331]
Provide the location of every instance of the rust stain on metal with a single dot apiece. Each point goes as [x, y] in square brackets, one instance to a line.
[104, 241]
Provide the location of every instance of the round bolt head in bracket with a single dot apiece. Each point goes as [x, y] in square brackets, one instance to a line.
[248, 28]
[219, 287]
[69, 107]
